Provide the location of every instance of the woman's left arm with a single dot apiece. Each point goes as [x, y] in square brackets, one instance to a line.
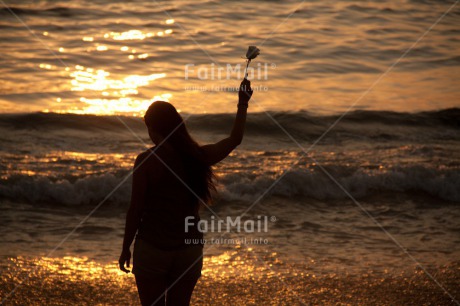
[133, 217]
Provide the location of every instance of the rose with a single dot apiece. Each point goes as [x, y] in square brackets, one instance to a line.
[252, 53]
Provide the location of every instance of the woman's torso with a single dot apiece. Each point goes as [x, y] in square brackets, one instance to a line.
[168, 202]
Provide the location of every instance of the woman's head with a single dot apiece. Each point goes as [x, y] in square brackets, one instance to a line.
[166, 125]
[163, 120]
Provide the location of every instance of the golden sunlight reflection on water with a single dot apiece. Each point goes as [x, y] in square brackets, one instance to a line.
[227, 279]
[78, 267]
[227, 264]
[79, 163]
[119, 93]
[101, 92]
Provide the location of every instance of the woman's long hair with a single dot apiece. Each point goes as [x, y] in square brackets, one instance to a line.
[163, 118]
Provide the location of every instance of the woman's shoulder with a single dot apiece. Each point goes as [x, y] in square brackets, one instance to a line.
[150, 155]
[149, 163]
[156, 154]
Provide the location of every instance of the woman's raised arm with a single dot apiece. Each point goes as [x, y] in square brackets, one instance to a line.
[216, 152]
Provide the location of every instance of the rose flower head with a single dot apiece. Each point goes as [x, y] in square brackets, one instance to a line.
[252, 53]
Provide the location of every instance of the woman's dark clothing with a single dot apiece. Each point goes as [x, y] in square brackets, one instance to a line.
[168, 203]
[151, 262]
[163, 248]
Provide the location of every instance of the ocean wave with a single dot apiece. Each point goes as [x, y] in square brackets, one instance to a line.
[83, 191]
[57, 11]
[386, 125]
[359, 184]
[303, 183]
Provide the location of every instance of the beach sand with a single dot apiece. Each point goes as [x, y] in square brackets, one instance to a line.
[230, 279]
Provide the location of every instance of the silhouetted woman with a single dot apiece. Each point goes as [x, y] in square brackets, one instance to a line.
[170, 181]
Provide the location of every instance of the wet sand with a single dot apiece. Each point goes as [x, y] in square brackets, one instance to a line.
[228, 279]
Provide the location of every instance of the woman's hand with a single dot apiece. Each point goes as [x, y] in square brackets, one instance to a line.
[125, 258]
[245, 92]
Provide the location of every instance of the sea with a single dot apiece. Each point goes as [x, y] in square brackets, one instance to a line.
[350, 158]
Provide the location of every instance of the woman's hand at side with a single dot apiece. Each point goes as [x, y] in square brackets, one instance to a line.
[124, 259]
